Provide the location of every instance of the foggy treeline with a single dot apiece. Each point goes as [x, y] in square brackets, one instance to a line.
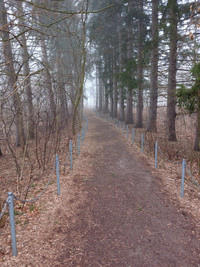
[43, 59]
[147, 55]
[143, 53]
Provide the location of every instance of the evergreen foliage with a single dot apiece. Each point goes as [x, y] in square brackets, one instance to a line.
[188, 97]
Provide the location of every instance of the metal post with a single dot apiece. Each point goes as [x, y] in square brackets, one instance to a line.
[183, 178]
[127, 131]
[82, 138]
[70, 149]
[156, 154]
[133, 133]
[57, 175]
[83, 132]
[87, 123]
[78, 144]
[142, 143]
[123, 128]
[12, 223]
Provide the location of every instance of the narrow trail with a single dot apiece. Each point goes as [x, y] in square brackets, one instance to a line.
[126, 220]
[112, 213]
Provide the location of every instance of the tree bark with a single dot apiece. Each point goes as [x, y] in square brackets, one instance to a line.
[100, 91]
[48, 78]
[12, 78]
[26, 73]
[171, 99]
[97, 91]
[115, 91]
[106, 102]
[129, 109]
[63, 107]
[111, 95]
[80, 90]
[121, 90]
[139, 117]
[197, 135]
[154, 70]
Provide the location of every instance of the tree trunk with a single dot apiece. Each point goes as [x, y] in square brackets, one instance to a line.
[139, 118]
[97, 91]
[48, 79]
[106, 103]
[129, 109]
[100, 93]
[121, 90]
[171, 99]
[26, 72]
[80, 90]
[111, 99]
[154, 70]
[115, 91]
[197, 136]
[12, 78]
[63, 107]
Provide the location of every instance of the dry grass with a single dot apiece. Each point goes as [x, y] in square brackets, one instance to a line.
[43, 217]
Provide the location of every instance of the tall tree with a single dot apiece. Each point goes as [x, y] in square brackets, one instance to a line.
[154, 69]
[171, 97]
[115, 90]
[45, 61]
[12, 77]
[121, 90]
[139, 115]
[26, 71]
[129, 110]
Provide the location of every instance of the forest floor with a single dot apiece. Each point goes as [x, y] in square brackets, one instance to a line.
[115, 209]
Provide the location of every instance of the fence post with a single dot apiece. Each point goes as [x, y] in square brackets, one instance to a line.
[12, 223]
[57, 175]
[123, 128]
[83, 132]
[70, 149]
[87, 123]
[78, 144]
[133, 133]
[156, 154]
[82, 138]
[142, 143]
[183, 178]
[126, 131]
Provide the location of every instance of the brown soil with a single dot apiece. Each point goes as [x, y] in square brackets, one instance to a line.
[113, 212]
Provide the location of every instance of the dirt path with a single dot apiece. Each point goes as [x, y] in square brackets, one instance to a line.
[121, 217]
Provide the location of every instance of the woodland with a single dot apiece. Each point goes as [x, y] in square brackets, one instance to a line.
[143, 55]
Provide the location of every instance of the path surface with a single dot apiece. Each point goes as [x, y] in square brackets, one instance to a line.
[112, 212]
[126, 220]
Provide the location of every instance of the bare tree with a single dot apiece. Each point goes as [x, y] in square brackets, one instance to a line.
[12, 77]
[26, 71]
